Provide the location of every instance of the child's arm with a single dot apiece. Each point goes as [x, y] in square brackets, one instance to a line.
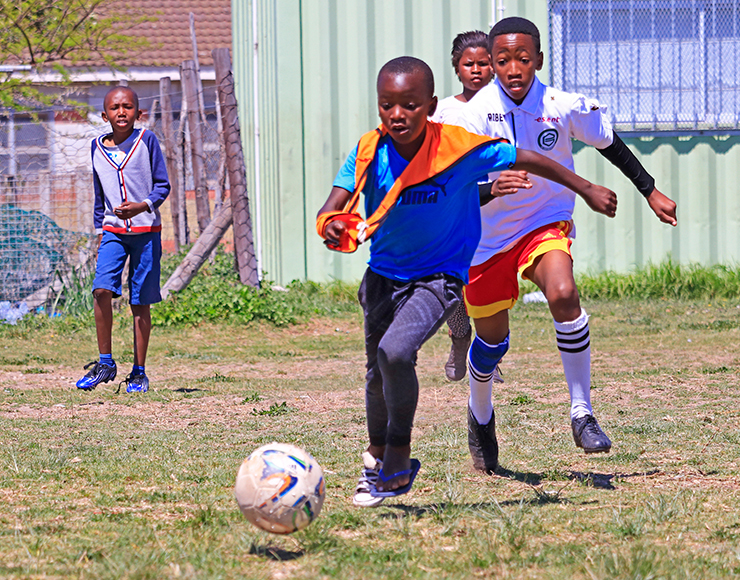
[336, 201]
[160, 180]
[600, 199]
[99, 203]
[623, 159]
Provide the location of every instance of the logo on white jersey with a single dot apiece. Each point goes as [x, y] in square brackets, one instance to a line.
[496, 117]
[547, 139]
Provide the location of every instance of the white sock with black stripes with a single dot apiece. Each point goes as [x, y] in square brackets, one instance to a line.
[574, 344]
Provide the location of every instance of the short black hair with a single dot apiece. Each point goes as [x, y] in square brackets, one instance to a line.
[466, 40]
[404, 65]
[122, 88]
[515, 25]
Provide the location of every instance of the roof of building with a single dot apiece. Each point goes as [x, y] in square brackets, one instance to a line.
[168, 33]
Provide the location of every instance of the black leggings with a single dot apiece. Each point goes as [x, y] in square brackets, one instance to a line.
[399, 318]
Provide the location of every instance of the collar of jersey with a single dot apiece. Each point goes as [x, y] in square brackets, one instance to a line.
[530, 103]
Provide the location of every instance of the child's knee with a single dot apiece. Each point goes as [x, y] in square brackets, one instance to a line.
[563, 295]
[390, 354]
[102, 294]
[484, 357]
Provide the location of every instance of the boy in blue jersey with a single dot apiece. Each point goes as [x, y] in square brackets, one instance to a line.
[130, 181]
[419, 179]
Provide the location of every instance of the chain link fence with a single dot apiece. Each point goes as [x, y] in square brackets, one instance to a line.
[46, 192]
[659, 65]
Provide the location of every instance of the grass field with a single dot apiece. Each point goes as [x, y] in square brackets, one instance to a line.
[109, 485]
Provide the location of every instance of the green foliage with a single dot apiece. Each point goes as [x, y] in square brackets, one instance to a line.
[665, 280]
[252, 397]
[47, 34]
[275, 410]
[215, 294]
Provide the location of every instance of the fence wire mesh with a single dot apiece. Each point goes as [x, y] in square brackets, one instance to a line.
[659, 65]
[46, 191]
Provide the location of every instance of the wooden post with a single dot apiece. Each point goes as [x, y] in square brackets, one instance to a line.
[190, 88]
[202, 248]
[183, 147]
[194, 41]
[177, 191]
[243, 242]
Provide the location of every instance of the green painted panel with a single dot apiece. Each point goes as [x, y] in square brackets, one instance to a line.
[318, 60]
[699, 173]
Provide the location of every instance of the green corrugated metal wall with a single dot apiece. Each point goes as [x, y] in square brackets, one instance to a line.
[317, 65]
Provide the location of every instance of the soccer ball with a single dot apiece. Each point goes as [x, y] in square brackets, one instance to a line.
[280, 488]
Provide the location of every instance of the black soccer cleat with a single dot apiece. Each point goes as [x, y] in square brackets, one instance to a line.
[588, 435]
[482, 443]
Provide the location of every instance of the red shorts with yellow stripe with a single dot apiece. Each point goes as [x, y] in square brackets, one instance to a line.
[493, 285]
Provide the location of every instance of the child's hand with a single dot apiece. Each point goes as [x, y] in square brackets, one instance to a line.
[663, 206]
[600, 199]
[334, 231]
[129, 209]
[510, 182]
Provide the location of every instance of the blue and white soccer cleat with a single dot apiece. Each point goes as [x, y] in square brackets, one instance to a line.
[136, 383]
[99, 373]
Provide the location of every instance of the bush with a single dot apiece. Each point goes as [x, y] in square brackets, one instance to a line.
[215, 294]
[665, 280]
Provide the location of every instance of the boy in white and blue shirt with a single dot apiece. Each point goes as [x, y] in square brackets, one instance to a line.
[130, 181]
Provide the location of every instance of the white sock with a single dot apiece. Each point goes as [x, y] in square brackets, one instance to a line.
[481, 389]
[574, 344]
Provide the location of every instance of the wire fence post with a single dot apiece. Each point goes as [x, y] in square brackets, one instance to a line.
[177, 191]
[200, 183]
[243, 241]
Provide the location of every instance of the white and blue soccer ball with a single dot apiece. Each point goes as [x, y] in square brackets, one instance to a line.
[280, 488]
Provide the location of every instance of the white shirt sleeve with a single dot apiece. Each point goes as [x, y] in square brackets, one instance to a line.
[589, 123]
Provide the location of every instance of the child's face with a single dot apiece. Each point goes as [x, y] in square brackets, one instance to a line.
[474, 69]
[515, 63]
[121, 111]
[404, 103]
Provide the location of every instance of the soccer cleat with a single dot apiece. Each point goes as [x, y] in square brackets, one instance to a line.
[497, 376]
[482, 443]
[136, 383]
[457, 363]
[588, 435]
[99, 373]
[368, 479]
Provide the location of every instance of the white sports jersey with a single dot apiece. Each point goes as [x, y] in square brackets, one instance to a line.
[545, 122]
[447, 111]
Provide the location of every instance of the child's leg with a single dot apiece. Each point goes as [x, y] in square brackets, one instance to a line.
[488, 348]
[460, 334]
[418, 317]
[142, 331]
[146, 253]
[553, 274]
[103, 319]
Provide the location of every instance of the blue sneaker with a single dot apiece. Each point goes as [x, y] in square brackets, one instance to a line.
[100, 373]
[136, 383]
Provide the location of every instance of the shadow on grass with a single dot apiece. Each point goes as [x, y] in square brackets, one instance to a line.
[604, 480]
[186, 390]
[523, 476]
[273, 553]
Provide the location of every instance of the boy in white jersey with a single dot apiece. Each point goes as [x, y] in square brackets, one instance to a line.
[528, 233]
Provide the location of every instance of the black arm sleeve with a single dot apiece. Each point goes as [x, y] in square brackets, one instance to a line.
[484, 192]
[622, 158]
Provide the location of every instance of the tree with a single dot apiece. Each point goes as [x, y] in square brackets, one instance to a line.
[53, 35]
